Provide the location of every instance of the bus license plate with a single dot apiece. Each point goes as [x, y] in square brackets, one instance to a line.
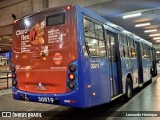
[40, 87]
[46, 99]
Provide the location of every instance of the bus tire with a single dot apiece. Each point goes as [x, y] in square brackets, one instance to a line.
[129, 90]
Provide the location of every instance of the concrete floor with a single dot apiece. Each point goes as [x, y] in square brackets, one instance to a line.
[146, 102]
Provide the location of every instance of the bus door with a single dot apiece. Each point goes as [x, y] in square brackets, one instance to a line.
[139, 61]
[115, 71]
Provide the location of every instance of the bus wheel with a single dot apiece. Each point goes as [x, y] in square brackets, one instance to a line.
[129, 90]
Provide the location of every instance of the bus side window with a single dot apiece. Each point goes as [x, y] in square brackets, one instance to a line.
[125, 46]
[142, 50]
[121, 45]
[92, 46]
[89, 28]
[134, 49]
[102, 49]
[99, 32]
[131, 48]
[113, 51]
[111, 47]
[94, 38]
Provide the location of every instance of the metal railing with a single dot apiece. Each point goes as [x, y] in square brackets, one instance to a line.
[5, 75]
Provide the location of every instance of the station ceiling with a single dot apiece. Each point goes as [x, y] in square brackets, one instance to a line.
[114, 10]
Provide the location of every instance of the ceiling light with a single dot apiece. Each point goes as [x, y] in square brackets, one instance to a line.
[156, 38]
[153, 35]
[152, 30]
[132, 15]
[142, 24]
[158, 52]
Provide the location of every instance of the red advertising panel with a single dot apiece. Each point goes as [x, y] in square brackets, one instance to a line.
[42, 50]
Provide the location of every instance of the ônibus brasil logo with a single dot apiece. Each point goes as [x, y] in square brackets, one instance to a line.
[57, 58]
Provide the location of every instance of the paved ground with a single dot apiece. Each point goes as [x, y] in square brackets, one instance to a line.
[7, 103]
[147, 101]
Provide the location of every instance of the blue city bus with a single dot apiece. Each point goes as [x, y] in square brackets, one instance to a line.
[72, 57]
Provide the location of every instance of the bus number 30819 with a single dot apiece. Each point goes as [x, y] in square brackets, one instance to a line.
[45, 99]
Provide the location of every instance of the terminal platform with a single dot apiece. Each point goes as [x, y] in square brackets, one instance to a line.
[147, 99]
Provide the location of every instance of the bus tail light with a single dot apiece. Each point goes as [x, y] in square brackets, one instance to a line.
[71, 85]
[71, 76]
[72, 68]
[13, 75]
[14, 80]
[68, 7]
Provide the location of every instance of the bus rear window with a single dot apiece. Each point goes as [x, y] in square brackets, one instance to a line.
[57, 19]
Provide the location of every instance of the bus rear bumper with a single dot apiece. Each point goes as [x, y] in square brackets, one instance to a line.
[67, 99]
